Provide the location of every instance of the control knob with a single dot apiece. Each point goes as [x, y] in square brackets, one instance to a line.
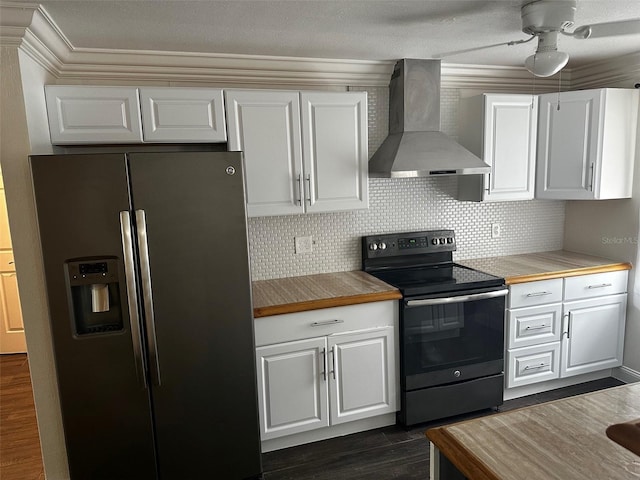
[434, 241]
[449, 239]
[443, 241]
[382, 246]
[373, 246]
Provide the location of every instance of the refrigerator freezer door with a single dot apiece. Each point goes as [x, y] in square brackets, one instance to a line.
[106, 411]
[195, 223]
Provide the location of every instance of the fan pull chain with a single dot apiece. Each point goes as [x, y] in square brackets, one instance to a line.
[559, 84]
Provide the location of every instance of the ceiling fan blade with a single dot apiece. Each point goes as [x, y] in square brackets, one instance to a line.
[483, 47]
[609, 29]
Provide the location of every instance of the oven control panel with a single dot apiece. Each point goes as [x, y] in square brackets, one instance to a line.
[409, 243]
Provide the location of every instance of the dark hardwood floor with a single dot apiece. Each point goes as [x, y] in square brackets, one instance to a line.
[386, 453]
[20, 457]
[381, 454]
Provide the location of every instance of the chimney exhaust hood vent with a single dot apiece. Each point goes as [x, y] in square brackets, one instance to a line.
[415, 146]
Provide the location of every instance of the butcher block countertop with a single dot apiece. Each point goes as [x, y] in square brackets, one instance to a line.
[560, 440]
[311, 292]
[530, 267]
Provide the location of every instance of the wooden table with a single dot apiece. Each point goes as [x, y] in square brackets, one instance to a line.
[560, 440]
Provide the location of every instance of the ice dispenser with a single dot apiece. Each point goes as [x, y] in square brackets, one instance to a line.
[95, 295]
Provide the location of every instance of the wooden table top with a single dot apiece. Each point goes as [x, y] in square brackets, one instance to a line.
[530, 267]
[311, 292]
[560, 440]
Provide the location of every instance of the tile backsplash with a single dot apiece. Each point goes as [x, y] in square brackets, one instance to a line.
[405, 204]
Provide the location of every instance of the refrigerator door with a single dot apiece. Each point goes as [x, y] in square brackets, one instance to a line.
[192, 235]
[103, 394]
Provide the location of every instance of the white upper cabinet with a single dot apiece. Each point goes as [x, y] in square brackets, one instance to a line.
[500, 129]
[99, 115]
[80, 114]
[586, 144]
[265, 125]
[182, 115]
[304, 152]
[335, 152]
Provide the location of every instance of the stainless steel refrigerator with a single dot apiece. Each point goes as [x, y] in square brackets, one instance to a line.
[147, 276]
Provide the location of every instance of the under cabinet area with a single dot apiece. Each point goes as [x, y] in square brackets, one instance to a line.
[564, 327]
[305, 152]
[500, 129]
[108, 115]
[586, 144]
[326, 372]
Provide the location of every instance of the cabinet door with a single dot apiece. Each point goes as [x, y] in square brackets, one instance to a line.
[334, 136]
[593, 335]
[510, 125]
[265, 125]
[292, 387]
[361, 375]
[183, 115]
[79, 114]
[568, 145]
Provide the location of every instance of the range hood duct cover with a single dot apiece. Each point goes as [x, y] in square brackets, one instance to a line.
[415, 146]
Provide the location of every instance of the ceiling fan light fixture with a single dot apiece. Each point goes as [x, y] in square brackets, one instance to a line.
[545, 64]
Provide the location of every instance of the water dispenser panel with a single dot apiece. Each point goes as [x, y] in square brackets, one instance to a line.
[95, 295]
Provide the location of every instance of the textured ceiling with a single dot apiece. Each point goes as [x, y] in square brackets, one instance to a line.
[348, 29]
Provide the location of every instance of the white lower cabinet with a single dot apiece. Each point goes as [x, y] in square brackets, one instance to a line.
[594, 337]
[292, 387]
[345, 374]
[548, 341]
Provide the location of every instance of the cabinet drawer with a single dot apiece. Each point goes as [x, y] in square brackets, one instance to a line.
[534, 325]
[535, 293]
[595, 285]
[326, 321]
[533, 364]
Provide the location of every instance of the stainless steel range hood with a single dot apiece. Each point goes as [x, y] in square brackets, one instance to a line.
[415, 146]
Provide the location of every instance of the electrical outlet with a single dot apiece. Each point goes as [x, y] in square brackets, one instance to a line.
[495, 230]
[304, 244]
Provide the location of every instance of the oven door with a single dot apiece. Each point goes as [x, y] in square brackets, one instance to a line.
[451, 338]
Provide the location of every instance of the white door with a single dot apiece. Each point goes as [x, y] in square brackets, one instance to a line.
[265, 125]
[510, 146]
[12, 339]
[593, 337]
[361, 375]
[292, 387]
[173, 114]
[568, 145]
[336, 159]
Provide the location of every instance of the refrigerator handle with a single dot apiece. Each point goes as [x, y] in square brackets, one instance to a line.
[147, 297]
[132, 296]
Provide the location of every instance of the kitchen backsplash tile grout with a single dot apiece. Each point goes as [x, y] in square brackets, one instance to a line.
[403, 205]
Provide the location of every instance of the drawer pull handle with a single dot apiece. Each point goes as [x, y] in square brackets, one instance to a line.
[537, 327]
[535, 367]
[328, 322]
[538, 294]
[602, 285]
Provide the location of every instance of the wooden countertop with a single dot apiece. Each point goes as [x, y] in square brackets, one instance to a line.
[530, 267]
[311, 292]
[560, 440]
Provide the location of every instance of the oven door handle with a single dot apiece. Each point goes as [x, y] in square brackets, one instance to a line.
[457, 299]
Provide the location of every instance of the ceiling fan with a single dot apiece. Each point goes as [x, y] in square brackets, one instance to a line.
[546, 20]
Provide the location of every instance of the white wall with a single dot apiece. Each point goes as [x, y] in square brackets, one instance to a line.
[22, 83]
[609, 228]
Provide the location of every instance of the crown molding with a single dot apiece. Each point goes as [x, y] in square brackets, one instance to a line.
[623, 71]
[29, 26]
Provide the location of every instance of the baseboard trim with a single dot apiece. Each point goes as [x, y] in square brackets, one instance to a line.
[626, 374]
[329, 432]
